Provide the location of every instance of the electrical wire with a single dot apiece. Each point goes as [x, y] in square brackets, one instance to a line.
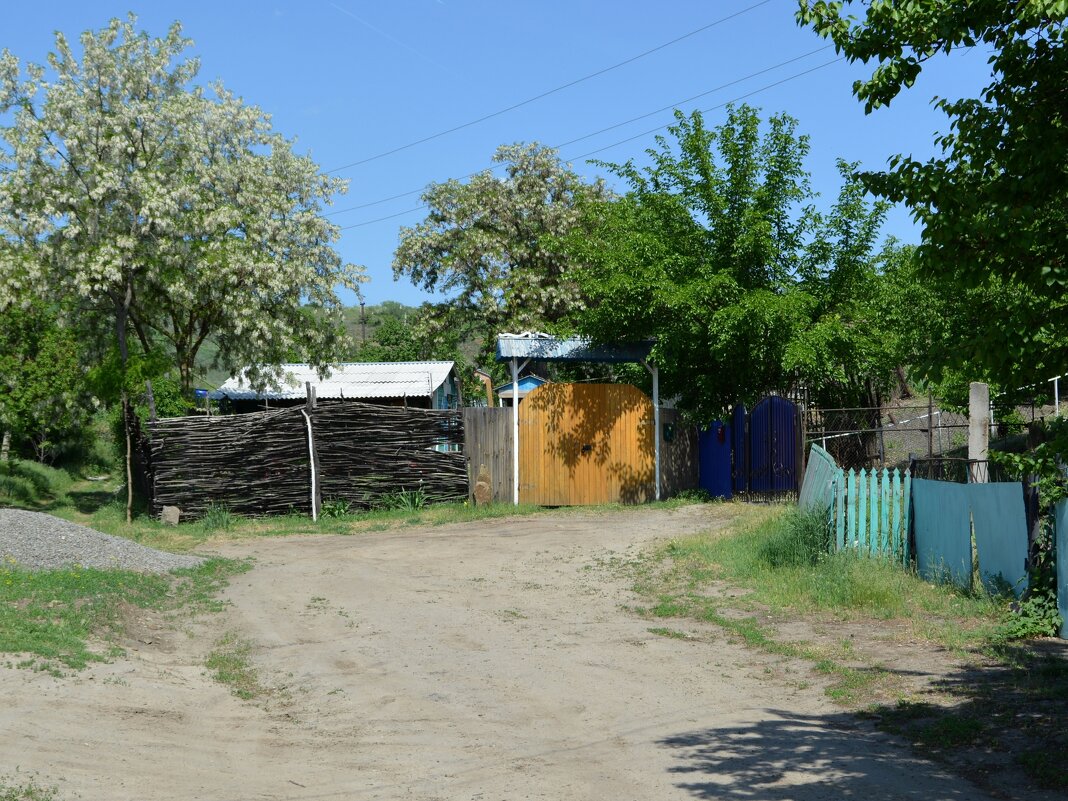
[623, 141]
[549, 92]
[676, 104]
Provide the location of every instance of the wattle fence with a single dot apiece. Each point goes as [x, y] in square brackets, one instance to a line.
[295, 460]
[868, 509]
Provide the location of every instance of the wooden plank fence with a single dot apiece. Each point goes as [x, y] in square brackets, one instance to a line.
[488, 444]
[870, 512]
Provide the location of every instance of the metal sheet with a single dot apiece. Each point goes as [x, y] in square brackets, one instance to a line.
[714, 445]
[942, 516]
[739, 449]
[544, 348]
[773, 433]
[1000, 534]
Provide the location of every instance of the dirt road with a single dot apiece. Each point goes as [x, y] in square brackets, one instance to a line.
[484, 661]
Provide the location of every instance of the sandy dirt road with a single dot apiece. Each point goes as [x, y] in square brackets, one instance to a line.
[487, 661]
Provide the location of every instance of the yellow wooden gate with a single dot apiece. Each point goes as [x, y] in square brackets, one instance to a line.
[586, 444]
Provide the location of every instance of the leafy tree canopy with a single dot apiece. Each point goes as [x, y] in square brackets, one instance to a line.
[177, 214]
[718, 251]
[993, 203]
[492, 246]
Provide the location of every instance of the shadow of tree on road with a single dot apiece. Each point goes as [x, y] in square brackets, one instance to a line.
[807, 758]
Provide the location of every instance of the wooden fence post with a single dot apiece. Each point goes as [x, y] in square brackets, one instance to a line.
[313, 454]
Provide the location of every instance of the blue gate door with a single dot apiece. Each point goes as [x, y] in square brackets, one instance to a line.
[774, 428]
[739, 449]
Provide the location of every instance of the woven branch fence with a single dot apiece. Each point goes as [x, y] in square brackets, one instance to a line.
[266, 463]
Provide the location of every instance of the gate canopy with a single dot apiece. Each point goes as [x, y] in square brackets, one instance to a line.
[545, 348]
[535, 346]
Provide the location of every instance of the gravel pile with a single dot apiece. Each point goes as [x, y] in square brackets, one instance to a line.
[41, 542]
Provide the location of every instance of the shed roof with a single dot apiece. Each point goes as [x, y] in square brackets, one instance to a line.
[546, 348]
[351, 380]
[527, 384]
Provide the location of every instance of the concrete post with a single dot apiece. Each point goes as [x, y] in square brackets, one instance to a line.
[979, 428]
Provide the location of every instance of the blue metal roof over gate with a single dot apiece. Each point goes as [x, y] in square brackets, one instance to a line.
[545, 348]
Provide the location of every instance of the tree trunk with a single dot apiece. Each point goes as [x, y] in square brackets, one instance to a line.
[5, 447]
[122, 314]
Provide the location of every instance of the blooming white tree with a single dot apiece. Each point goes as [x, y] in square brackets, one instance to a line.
[128, 191]
[176, 212]
[495, 245]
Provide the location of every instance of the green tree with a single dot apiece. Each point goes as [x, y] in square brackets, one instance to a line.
[44, 396]
[177, 215]
[493, 246]
[718, 252]
[993, 203]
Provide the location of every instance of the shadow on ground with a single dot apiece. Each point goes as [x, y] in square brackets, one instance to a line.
[89, 501]
[805, 758]
[994, 728]
[1003, 721]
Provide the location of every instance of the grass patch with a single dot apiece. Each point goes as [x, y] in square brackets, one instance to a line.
[17, 788]
[30, 484]
[671, 634]
[60, 617]
[782, 557]
[1005, 696]
[98, 505]
[231, 664]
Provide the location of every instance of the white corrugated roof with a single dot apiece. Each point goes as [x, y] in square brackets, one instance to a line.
[352, 380]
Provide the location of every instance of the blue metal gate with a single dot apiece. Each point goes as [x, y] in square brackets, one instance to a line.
[767, 448]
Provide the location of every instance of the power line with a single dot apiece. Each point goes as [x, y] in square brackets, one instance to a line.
[711, 108]
[552, 91]
[676, 104]
[632, 138]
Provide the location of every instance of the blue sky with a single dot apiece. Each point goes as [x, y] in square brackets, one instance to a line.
[352, 79]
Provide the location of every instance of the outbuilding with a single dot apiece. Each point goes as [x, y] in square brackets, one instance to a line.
[421, 385]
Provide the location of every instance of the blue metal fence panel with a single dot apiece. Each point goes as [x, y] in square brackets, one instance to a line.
[740, 451]
[1000, 533]
[1061, 522]
[942, 521]
[773, 430]
[714, 449]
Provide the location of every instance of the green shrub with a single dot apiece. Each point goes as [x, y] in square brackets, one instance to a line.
[801, 537]
[336, 509]
[25, 482]
[218, 517]
[403, 500]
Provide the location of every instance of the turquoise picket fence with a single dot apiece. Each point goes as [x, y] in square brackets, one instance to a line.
[868, 510]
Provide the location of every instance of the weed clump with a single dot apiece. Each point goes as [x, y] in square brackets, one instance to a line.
[801, 538]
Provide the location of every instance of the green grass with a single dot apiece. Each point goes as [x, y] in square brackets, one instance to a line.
[231, 664]
[69, 618]
[16, 788]
[98, 505]
[1003, 696]
[27, 483]
[785, 566]
[780, 556]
